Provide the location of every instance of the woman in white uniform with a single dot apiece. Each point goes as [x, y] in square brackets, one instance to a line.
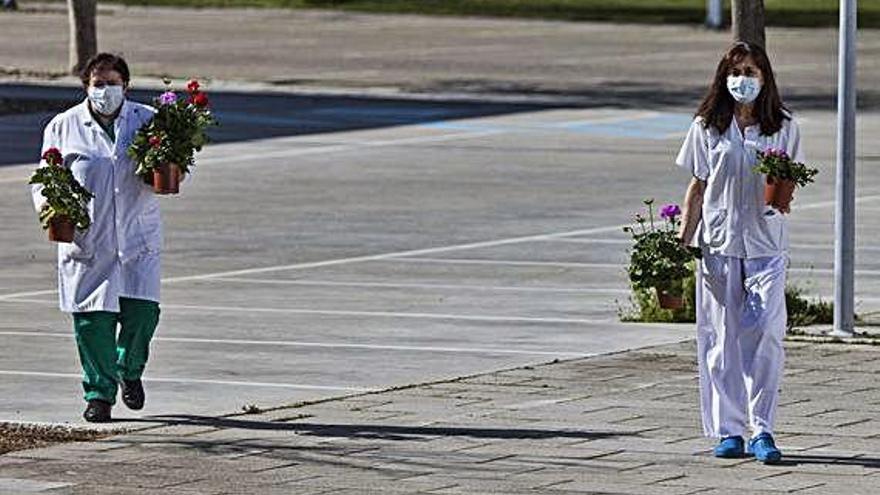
[741, 314]
[109, 276]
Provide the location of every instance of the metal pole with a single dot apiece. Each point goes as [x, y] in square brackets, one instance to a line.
[714, 14]
[844, 212]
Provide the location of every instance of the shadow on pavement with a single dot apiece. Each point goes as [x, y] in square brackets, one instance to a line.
[250, 116]
[244, 116]
[797, 459]
[384, 432]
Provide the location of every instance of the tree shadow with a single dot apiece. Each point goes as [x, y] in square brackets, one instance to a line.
[253, 116]
[382, 432]
[245, 116]
[807, 459]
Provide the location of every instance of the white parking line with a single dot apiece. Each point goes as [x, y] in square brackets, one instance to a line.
[364, 314]
[296, 386]
[357, 259]
[472, 261]
[321, 345]
[628, 242]
[344, 147]
[389, 285]
[390, 314]
[593, 241]
[562, 264]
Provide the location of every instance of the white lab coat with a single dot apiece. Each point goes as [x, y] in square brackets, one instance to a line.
[736, 222]
[740, 306]
[118, 256]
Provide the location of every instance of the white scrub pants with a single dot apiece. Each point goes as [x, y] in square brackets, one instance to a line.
[741, 321]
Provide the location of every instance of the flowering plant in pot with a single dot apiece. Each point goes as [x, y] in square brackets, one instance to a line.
[67, 201]
[164, 147]
[783, 175]
[658, 259]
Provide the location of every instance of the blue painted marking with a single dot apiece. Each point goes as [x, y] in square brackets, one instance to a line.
[381, 112]
[658, 127]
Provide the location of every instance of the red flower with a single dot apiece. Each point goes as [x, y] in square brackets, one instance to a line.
[199, 99]
[155, 141]
[193, 86]
[53, 156]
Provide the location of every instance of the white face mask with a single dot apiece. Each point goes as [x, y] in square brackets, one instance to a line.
[743, 89]
[106, 100]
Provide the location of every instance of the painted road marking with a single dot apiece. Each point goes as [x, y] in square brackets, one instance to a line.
[320, 345]
[392, 285]
[297, 386]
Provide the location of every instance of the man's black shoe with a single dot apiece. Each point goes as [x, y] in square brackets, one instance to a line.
[133, 394]
[97, 411]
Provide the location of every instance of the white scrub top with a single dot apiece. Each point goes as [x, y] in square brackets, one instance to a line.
[118, 256]
[735, 220]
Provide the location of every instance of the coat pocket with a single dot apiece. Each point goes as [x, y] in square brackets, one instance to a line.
[81, 249]
[775, 228]
[150, 231]
[715, 234]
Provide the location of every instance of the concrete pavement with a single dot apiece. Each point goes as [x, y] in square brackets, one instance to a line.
[617, 424]
[331, 246]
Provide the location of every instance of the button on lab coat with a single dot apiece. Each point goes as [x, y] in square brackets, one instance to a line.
[735, 220]
[118, 256]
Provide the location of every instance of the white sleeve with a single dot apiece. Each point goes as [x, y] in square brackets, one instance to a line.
[793, 143]
[50, 140]
[694, 153]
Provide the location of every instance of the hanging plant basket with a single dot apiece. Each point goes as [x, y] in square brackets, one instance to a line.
[166, 179]
[779, 193]
[61, 229]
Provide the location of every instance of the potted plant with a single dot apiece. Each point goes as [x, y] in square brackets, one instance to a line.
[658, 259]
[164, 147]
[783, 175]
[67, 201]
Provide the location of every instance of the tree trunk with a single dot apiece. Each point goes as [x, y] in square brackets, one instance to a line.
[83, 32]
[748, 21]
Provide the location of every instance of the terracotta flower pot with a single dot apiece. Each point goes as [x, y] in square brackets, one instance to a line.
[61, 229]
[166, 179]
[778, 193]
[669, 300]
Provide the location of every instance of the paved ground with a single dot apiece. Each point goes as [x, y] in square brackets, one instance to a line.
[374, 242]
[363, 259]
[620, 424]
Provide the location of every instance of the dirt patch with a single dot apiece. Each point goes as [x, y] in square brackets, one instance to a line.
[16, 436]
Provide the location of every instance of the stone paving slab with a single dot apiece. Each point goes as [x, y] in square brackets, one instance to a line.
[595, 429]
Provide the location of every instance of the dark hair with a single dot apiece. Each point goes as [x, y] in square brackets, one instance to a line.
[717, 106]
[104, 61]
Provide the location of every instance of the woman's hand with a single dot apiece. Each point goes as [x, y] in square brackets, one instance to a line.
[693, 210]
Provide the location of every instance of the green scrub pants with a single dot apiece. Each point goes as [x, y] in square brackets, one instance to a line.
[106, 358]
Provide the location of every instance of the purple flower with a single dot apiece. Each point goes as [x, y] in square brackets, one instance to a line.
[669, 212]
[167, 98]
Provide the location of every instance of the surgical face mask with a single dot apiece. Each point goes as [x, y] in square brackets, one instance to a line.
[743, 89]
[106, 100]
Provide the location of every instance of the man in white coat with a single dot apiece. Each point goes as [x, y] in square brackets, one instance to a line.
[108, 277]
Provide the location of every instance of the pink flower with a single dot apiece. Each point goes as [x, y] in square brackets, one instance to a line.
[155, 141]
[776, 153]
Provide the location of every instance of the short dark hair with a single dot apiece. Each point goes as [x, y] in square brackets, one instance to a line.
[104, 61]
[717, 106]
